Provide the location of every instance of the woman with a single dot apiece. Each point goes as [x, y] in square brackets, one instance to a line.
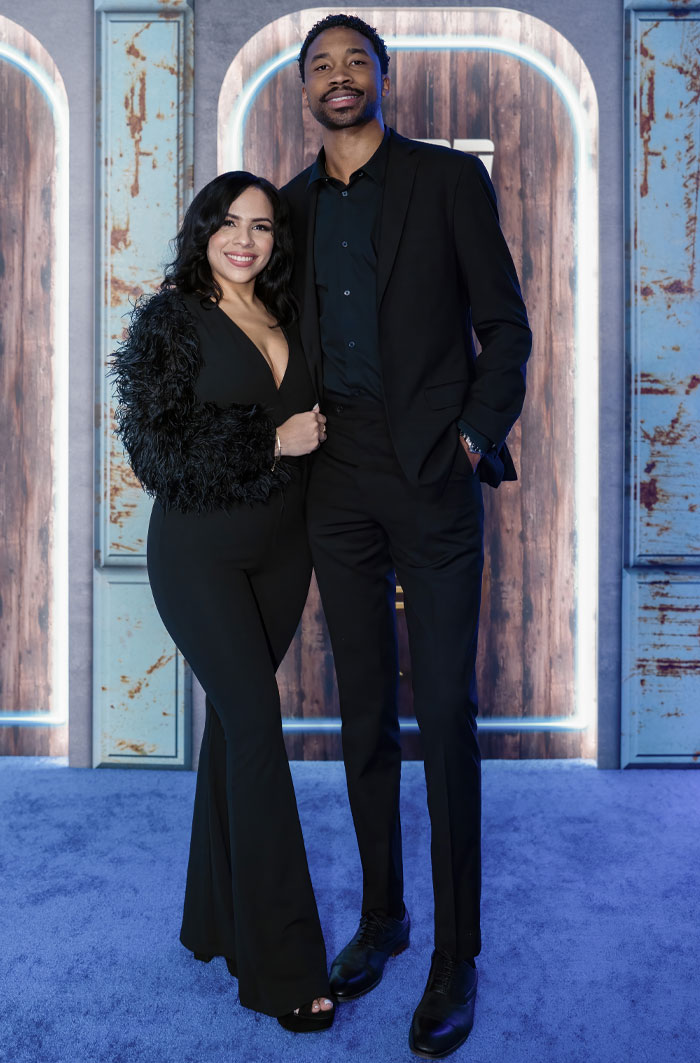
[216, 412]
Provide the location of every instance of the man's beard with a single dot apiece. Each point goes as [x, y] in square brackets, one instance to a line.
[344, 119]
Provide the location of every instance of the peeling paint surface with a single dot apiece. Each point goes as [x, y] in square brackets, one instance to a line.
[660, 720]
[665, 325]
[661, 668]
[142, 680]
[145, 84]
[145, 176]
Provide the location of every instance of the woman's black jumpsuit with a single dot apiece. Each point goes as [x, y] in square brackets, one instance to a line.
[230, 587]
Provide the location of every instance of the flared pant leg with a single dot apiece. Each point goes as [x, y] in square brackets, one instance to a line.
[249, 894]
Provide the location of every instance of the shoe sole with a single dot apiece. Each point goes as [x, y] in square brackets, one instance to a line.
[302, 1024]
[439, 1055]
[363, 993]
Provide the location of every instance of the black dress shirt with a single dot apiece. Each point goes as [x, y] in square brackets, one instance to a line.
[346, 237]
[345, 257]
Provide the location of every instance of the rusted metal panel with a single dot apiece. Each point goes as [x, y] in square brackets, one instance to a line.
[661, 599]
[144, 169]
[661, 668]
[141, 683]
[144, 156]
[664, 326]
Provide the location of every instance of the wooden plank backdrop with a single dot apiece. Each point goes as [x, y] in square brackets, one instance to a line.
[526, 658]
[27, 160]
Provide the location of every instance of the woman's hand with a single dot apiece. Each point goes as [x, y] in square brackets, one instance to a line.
[302, 433]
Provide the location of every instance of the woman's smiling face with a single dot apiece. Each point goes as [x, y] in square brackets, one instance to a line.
[241, 248]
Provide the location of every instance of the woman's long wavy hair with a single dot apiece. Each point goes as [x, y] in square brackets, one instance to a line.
[190, 270]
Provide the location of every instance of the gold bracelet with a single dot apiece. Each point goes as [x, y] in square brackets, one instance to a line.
[277, 451]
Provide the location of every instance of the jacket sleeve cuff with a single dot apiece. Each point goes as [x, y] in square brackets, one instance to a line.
[481, 441]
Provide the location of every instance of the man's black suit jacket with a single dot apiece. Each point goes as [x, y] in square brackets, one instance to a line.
[443, 266]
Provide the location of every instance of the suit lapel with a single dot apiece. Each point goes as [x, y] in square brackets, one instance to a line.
[398, 183]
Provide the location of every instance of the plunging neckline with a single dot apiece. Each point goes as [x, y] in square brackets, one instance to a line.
[254, 345]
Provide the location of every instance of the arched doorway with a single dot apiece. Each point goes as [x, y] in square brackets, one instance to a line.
[502, 76]
[33, 397]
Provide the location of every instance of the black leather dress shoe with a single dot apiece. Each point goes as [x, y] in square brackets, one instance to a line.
[444, 1018]
[359, 966]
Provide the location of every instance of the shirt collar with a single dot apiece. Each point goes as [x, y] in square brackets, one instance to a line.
[374, 167]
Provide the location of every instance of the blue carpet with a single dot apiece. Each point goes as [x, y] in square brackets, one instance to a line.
[591, 906]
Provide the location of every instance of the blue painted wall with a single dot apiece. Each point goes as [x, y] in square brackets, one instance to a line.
[661, 601]
[144, 183]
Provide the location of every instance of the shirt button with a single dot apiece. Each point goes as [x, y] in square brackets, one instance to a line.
[346, 292]
[343, 193]
[345, 243]
[351, 343]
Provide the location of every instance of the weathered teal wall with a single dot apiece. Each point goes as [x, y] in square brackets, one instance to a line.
[661, 602]
[144, 182]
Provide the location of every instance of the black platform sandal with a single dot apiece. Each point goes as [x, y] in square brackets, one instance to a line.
[307, 1021]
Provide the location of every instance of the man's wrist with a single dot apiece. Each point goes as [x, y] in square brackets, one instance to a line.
[475, 442]
[473, 457]
[471, 445]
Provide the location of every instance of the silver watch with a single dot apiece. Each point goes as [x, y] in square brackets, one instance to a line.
[471, 445]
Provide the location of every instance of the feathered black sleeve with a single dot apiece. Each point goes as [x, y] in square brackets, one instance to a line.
[192, 456]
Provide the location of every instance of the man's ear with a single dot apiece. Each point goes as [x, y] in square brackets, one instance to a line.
[386, 85]
[304, 97]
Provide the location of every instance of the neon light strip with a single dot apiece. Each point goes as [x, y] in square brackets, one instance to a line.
[235, 126]
[332, 724]
[59, 678]
[586, 398]
[32, 719]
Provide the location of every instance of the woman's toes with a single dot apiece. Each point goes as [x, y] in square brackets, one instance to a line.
[319, 1004]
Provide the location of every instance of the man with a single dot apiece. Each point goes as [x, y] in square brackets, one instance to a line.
[399, 254]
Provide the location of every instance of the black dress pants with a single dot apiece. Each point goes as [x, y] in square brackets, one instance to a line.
[366, 522]
[230, 589]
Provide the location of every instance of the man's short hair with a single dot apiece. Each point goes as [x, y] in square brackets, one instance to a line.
[352, 22]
